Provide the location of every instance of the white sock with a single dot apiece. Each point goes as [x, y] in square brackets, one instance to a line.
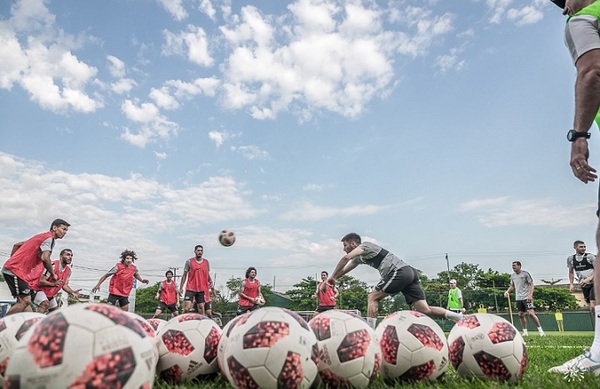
[595, 349]
[453, 315]
[540, 329]
[372, 322]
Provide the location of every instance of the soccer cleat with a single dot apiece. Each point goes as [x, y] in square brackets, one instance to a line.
[542, 333]
[525, 333]
[582, 362]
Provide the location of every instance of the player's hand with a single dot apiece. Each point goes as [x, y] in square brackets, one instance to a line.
[579, 161]
[144, 281]
[571, 288]
[95, 289]
[506, 294]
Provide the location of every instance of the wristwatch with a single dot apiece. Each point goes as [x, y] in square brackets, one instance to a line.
[572, 135]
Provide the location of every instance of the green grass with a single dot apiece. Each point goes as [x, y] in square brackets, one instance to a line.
[544, 353]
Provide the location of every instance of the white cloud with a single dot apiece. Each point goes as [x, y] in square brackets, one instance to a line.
[219, 137]
[521, 14]
[316, 187]
[311, 213]
[43, 65]
[109, 213]
[116, 67]
[153, 125]
[251, 152]
[123, 85]
[175, 8]
[207, 8]
[504, 211]
[192, 44]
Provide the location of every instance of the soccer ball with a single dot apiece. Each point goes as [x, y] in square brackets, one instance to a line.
[225, 337]
[414, 347]
[12, 329]
[273, 348]
[260, 300]
[83, 345]
[157, 324]
[146, 326]
[226, 238]
[188, 348]
[349, 354]
[488, 347]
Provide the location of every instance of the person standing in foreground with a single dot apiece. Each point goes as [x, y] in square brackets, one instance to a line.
[121, 282]
[455, 298]
[250, 296]
[197, 269]
[18, 269]
[396, 276]
[167, 296]
[47, 287]
[522, 282]
[582, 37]
[582, 265]
[326, 298]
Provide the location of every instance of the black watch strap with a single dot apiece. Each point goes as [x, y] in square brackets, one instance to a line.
[573, 135]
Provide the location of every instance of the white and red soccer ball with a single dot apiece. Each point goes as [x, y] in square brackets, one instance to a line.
[273, 348]
[488, 347]
[12, 329]
[349, 355]
[413, 346]
[226, 238]
[84, 345]
[187, 348]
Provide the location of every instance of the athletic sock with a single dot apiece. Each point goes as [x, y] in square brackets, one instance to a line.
[372, 322]
[595, 349]
[453, 315]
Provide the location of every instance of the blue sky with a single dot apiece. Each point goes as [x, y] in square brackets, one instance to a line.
[429, 127]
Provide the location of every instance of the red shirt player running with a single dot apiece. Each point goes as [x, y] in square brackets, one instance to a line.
[18, 269]
[121, 282]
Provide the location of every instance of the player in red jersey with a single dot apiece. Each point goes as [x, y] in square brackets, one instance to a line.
[18, 270]
[47, 287]
[121, 282]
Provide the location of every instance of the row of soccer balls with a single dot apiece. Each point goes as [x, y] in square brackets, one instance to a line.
[95, 345]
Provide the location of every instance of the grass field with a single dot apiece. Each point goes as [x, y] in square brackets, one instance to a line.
[544, 353]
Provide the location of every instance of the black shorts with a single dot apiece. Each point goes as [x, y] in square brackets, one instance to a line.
[242, 309]
[17, 286]
[524, 306]
[207, 306]
[113, 299]
[171, 307]
[405, 280]
[323, 308]
[192, 295]
[588, 293]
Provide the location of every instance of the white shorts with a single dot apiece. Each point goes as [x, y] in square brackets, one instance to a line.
[581, 35]
[40, 297]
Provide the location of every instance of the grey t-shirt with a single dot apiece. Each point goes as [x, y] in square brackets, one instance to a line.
[390, 261]
[522, 283]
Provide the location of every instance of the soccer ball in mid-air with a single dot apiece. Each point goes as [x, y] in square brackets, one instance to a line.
[226, 238]
[413, 346]
[188, 348]
[349, 355]
[488, 347]
[273, 348]
[12, 329]
[83, 345]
